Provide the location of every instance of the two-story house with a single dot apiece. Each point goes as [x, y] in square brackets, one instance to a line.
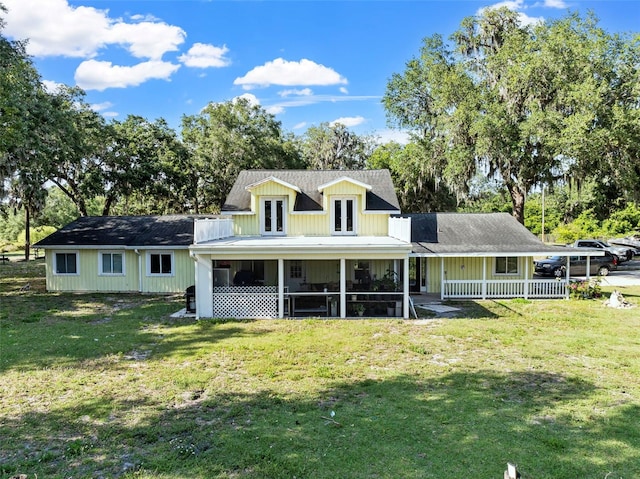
[299, 243]
[305, 243]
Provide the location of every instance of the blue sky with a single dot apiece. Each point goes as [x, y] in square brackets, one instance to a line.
[306, 62]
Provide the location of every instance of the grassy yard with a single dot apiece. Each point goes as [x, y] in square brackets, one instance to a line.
[107, 385]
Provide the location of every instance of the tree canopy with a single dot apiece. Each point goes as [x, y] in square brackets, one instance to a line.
[516, 103]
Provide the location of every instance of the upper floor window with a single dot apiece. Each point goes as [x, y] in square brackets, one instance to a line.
[343, 216]
[273, 211]
[506, 265]
[111, 263]
[66, 263]
[160, 264]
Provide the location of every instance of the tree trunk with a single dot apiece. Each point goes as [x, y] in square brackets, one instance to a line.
[107, 205]
[27, 234]
[518, 197]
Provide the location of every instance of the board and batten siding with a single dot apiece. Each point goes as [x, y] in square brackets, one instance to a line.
[311, 224]
[470, 268]
[90, 279]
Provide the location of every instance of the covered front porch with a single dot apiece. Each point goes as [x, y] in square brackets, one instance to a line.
[261, 277]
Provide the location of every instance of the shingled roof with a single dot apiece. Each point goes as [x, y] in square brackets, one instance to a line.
[473, 234]
[382, 196]
[133, 231]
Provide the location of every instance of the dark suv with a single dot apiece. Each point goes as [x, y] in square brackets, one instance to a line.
[557, 265]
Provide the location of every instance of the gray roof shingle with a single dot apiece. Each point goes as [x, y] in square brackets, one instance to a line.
[382, 196]
[472, 233]
[169, 230]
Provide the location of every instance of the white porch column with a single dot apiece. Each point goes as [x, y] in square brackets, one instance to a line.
[281, 288]
[405, 289]
[484, 277]
[442, 278]
[343, 288]
[588, 267]
[526, 277]
[567, 275]
[204, 286]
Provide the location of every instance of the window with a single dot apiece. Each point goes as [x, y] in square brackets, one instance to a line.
[273, 216]
[160, 264]
[295, 269]
[66, 263]
[506, 265]
[111, 263]
[343, 216]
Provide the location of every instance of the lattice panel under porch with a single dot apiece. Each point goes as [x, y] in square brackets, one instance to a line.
[245, 302]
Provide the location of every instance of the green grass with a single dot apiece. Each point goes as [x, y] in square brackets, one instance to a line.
[111, 386]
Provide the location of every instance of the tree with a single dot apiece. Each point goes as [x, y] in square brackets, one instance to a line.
[415, 187]
[226, 138]
[334, 147]
[509, 101]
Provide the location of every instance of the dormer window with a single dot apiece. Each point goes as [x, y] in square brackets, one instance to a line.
[273, 210]
[343, 215]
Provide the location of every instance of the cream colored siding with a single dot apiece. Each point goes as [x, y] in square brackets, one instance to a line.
[311, 224]
[182, 276]
[90, 279]
[470, 268]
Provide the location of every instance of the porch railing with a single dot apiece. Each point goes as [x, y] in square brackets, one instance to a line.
[245, 302]
[209, 229]
[478, 289]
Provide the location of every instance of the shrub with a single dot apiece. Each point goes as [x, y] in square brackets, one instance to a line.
[585, 289]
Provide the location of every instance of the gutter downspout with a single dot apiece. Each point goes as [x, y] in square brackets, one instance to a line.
[137, 251]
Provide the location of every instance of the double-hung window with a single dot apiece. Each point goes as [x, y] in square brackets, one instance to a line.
[273, 211]
[66, 263]
[111, 263]
[343, 216]
[506, 265]
[160, 264]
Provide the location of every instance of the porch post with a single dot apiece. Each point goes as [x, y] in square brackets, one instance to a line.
[405, 288]
[442, 285]
[567, 275]
[343, 288]
[588, 267]
[280, 288]
[484, 277]
[204, 286]
[526, 277]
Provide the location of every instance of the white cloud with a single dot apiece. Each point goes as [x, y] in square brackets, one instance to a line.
[275, 110]
[146, 39]
[101, 106]
[299, 126]
[344, 90]
[110, 114]
[52, 86]
[250, 97]
[386, 136]
[201, 55]
[55, 28]
[349, 121]
[555, 4]
[286, 73]
[98, 75]
[296, 92]
[516, 6]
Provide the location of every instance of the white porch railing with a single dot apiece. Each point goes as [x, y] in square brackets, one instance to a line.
[400, 228]
[245, 302]
[478, 289]
[209, 229]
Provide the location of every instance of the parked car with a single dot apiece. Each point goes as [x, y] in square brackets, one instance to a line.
[557, 265]
[631, 242]
[623, 253]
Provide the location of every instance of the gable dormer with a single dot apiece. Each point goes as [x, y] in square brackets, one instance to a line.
[344, 198]
[272, 200]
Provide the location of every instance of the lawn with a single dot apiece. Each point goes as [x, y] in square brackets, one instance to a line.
[107, 386]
